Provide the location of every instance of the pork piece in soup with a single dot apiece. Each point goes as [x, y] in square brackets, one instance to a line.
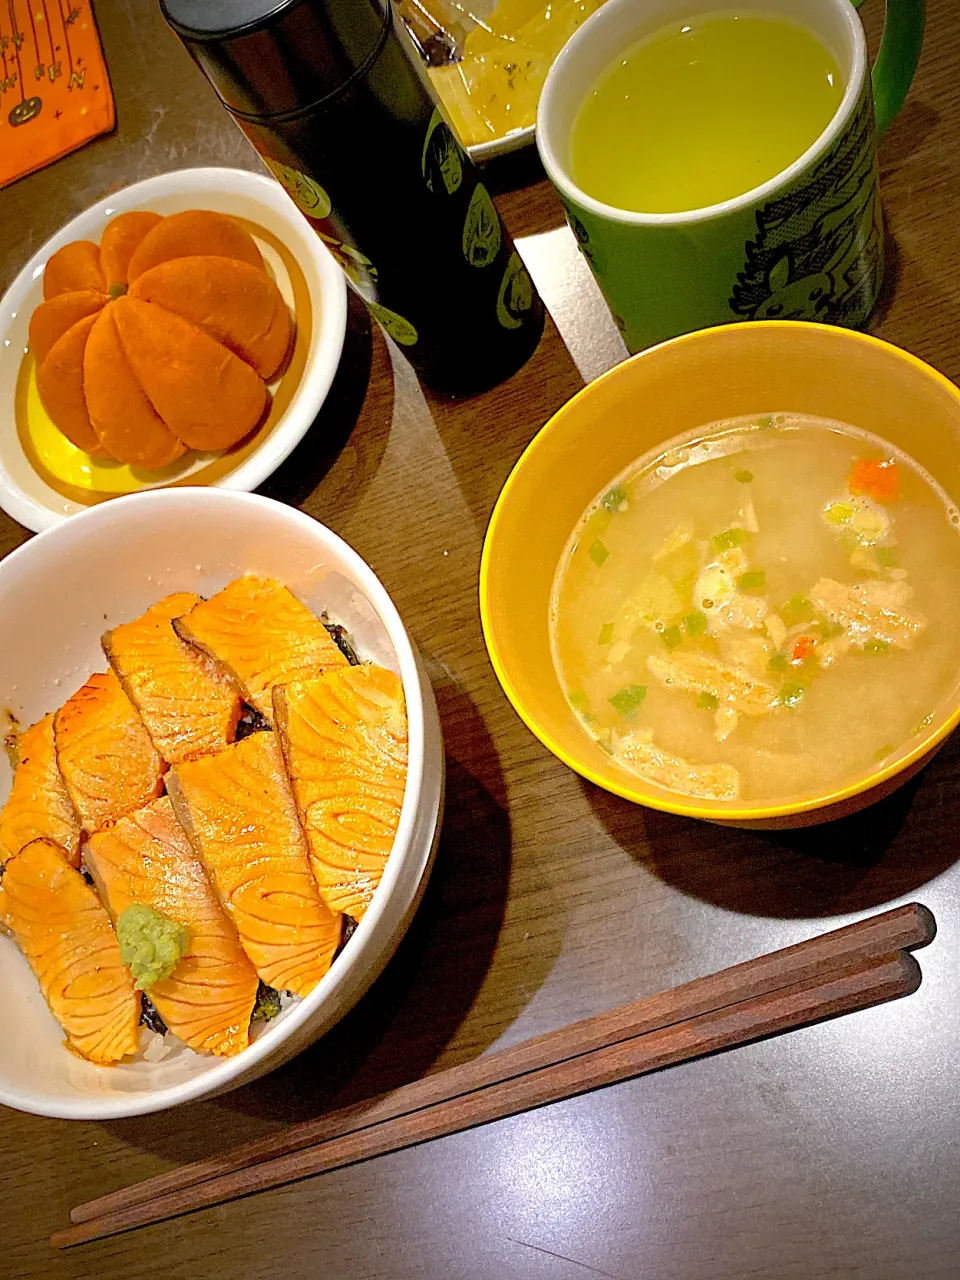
[762, 610]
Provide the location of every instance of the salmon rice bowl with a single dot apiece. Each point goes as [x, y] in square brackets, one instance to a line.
[192, 837]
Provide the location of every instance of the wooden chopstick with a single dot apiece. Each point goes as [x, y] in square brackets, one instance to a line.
[863, 984]
[900, 929]
[806, 963]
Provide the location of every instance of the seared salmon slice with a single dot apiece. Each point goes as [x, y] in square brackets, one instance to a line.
[39, 804]
[344, 738]
[237, 809]
[63, 929]
[147, 858]
[105, 754]
[189, 707]
[262, 635]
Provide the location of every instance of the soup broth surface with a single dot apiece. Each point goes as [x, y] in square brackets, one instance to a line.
[763, 609]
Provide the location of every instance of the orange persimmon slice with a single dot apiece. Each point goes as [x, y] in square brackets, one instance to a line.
[75, 266]
[53, 318]
[119, 240]
[204, 393]
[60, 385]
[195, 232]
[235, 303]
[124, 420]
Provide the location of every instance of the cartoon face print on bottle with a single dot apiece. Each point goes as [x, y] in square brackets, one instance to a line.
[481, 229]
[442, 159]
[309, 197]
[399, 327]
[516, 294]
[818, 254]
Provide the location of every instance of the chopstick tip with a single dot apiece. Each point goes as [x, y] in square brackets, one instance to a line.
[912, 973]
[64, 1238]
[927, 923]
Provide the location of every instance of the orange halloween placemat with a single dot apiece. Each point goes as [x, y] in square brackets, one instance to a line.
[54, 90]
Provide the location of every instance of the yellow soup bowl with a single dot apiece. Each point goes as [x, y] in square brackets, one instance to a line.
[752, 368]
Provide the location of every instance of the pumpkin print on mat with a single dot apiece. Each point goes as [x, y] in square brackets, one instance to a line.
[159, 340]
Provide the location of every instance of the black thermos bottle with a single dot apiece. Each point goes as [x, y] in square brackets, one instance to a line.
[340, 111]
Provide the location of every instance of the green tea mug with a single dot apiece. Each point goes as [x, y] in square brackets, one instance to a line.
[806, 245]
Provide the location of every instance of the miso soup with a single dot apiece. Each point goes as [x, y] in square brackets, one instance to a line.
[760, 610]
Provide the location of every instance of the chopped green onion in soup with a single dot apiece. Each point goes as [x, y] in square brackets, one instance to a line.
[729, 538]
[696, 623]
[792, 693]
[627, 700]
[798, 608]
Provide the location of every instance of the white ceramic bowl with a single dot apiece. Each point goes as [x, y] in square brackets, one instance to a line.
[58, 593]
[481, 152]
[308, 277]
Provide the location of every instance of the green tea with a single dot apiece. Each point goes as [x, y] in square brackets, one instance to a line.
[702, 111]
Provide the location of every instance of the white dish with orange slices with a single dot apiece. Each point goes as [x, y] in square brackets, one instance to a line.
[44, 477]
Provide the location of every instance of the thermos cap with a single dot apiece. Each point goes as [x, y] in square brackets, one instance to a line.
[271, 57]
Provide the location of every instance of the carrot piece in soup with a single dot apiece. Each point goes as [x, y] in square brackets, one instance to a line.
[803, 648]
[878, 478]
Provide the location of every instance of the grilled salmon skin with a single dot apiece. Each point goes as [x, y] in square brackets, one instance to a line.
[105, 755]
[344, 738]
[39, 804]
[262, 636]
[189, 708]
[240, 816]
[147, 858]
[64, 931]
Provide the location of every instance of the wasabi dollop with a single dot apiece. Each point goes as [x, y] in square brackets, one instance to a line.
[267, 1004]
[151, 946]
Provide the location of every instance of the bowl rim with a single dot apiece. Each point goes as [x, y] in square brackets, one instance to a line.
[220, 1076]
[323, 355]
[684, 807]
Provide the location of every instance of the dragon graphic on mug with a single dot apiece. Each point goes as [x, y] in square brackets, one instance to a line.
[818, 254]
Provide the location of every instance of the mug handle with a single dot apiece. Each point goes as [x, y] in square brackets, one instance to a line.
[897, 59]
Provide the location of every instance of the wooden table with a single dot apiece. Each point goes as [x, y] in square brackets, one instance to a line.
[833, 1152]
